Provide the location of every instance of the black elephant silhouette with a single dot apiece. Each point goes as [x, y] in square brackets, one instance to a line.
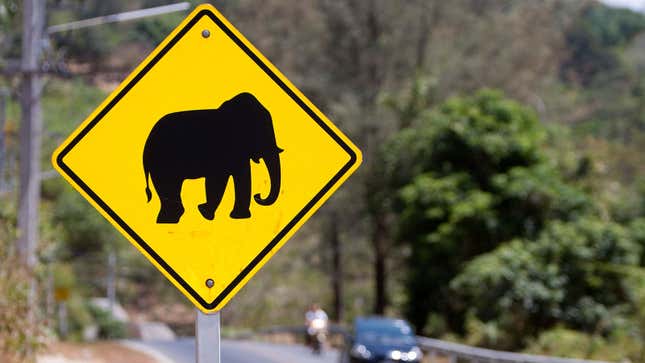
[214, 144]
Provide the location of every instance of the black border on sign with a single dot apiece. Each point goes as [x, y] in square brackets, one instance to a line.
[133, 234]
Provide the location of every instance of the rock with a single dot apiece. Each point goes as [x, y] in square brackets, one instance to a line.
[153, 331]
[118, 313]
[90, 333]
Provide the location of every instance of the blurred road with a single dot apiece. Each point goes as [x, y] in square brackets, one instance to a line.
[234, 351]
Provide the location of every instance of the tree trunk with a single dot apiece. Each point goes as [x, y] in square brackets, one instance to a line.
[379, 240]
[337, 267]
[3, 151]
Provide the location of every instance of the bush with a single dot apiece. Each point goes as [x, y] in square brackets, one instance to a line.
[79, 316]
[562, 342]
[109, 328]
[563, 277]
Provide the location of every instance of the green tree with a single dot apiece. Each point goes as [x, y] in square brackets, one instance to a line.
[10, 20]
[464, 178]
[637, 229]
[593, 38]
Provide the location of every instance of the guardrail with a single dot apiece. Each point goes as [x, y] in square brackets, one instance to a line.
[453, 351]
[456, 351]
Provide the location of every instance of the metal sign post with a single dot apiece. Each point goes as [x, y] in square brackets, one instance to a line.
[207, 337]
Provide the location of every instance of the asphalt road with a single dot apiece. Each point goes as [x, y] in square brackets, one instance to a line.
[234, 351]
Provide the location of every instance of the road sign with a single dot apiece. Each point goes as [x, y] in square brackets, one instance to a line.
[61, 294]
[207, 159]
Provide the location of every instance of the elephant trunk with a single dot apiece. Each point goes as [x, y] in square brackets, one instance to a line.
[272, 162]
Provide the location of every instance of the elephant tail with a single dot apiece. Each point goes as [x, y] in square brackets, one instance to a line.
[148, 193]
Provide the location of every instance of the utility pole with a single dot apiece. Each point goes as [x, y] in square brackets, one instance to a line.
[3, 149]
[30, 139]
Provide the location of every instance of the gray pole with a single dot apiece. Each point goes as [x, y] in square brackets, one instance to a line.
[207, 337]
[30, 138]
[3, 150]
[62, 318]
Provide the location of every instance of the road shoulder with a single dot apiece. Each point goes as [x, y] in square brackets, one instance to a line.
[97, 352]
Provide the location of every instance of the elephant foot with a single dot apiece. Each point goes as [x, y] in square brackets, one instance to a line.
[173, 216]
[207, 211]
[240, 214]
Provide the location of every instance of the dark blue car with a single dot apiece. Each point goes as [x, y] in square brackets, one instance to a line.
[377, 339]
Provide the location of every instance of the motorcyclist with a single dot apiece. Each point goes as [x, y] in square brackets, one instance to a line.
[316, 321]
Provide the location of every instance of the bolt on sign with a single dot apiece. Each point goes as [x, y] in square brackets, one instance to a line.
[207, 159]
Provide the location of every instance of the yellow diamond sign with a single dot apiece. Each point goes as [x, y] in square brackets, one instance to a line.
[207, 159]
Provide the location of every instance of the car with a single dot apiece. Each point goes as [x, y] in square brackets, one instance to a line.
[380, 340]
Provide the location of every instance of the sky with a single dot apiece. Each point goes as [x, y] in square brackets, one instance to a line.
[638, 5]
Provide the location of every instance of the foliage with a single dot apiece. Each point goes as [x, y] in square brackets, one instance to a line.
[154, 30]
[18, 334]
[65, 104]
[87, 44]
[64, 277]
[9, 40]
[637, 228]
[558, 278]
[611, 27]
[465, 178]
[85, 231]
[109, 327]
[78, 316]
[563, 342]
[468, 177]
[592, 39]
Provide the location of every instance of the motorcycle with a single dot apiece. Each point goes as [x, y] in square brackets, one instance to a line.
[317, 332]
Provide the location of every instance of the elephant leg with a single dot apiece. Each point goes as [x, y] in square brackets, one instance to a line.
[242, 181]
[169, 190]
[215, 187]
